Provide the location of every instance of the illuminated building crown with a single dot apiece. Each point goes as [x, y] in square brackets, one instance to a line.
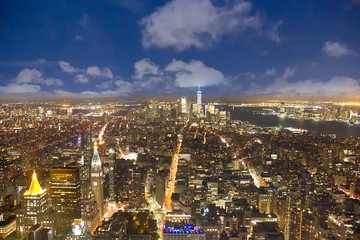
[95, 161]
[35, 187]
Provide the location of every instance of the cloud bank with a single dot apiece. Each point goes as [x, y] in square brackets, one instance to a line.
[182, 24]
[176, 74]
[29, 81]
[145, 67]
[336, 49]
[82, 75]
[194, 74]
[66, 67]
[97, 72]
[284, 85]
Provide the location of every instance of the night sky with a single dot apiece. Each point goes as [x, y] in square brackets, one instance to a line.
[144, 47]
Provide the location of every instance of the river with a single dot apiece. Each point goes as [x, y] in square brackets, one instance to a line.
[252, 115]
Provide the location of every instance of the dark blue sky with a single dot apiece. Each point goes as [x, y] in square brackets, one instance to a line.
[132, 47]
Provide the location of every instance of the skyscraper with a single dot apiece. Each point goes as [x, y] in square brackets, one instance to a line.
[35, 207]
[183, 105]
[198, 102]
[161, 184]
[198, 99]
[69, 112]
[111, 162]
[97, 180]
[65, 195]
[89, 208]
[86, 145]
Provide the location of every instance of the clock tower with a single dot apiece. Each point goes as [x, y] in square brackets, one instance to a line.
[97, 180]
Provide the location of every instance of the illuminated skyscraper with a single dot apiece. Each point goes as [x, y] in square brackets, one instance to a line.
[198, 102]
[211, 109]
[69, 112]
[65, 195]
[97, 180]
[89, 206]
[183, 105]
[111, 162]
[264, 200]
[198, 99]
[35, 207]
[86, 144]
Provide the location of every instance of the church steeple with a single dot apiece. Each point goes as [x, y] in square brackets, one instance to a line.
[35, 187]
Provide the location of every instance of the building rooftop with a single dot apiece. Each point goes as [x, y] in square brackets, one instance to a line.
[182, 228]
[7, 220]
[35, 188]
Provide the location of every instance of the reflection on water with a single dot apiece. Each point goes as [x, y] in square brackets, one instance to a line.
[315, 127]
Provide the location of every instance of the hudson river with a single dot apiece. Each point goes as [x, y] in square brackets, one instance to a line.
[253, 116]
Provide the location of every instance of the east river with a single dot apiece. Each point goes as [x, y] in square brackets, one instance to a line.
[253, 115]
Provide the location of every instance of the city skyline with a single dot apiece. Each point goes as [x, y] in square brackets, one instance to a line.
[135, 48]
[180, 119]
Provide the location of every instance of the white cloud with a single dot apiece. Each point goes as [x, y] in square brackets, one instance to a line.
[27, 76]
[118, 85]
[270, 72]
[250, 75]
[336, 49]
[96, 71]
[83, 74]
[282, 85]
[272, 31]
[288, 73]
[194, 73]
[145, 67]
[107, 72]
[182, 24]
[53, 82]
[151, 82]
[66, 67]
[148, 75]
[176, 74]
[120, 88]
[93, 71]
[20, 88]
[105, 85]
[336, 85]
[106, 93]
[123, 84]
[81, 78]
[29, 81]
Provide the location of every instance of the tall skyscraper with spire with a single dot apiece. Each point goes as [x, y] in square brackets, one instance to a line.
[198, 102]
[88, 204]
[97, 180]
[35, 207]
[198, 99]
